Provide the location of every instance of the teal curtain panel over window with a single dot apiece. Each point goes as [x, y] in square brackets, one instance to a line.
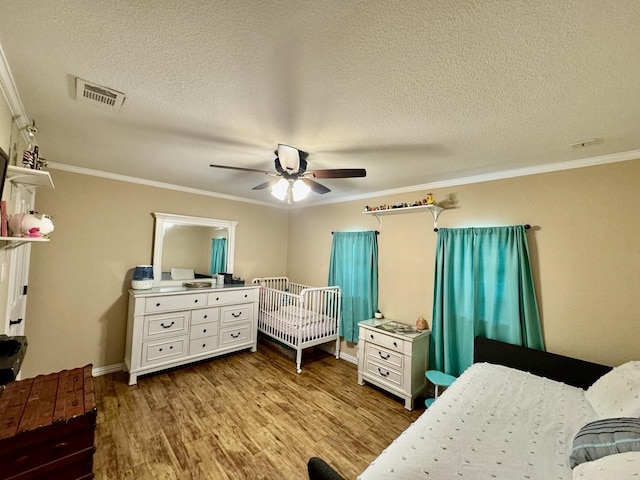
[218, 255]
[353, 267]
[483, 286]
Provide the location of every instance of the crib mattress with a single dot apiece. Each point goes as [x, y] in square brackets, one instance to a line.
[289, 321]
[494, 422]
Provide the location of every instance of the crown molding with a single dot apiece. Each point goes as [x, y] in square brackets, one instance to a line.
[151, 183]
[10, 91]
[489, 177]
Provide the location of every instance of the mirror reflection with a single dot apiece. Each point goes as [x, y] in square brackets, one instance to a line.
[191, 248]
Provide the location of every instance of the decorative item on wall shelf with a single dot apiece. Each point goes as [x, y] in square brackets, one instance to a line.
[32, 224]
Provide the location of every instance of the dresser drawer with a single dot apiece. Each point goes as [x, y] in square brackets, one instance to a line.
[383, 340]
[202, 345]
[385, 357]
[202, 330]
[232, 336]
[205, 315]
[161, 351]
[226, 297]
[382, 373]
[174, 302]
[236, 313]
[166, 324]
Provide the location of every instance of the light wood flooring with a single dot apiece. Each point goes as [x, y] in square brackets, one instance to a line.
[243, 416]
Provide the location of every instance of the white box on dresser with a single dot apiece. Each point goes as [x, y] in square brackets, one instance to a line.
[172, 326]
[393, 359]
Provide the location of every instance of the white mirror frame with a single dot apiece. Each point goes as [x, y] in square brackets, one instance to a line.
[164, 219]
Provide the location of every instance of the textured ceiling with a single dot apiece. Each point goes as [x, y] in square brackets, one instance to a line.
[416, 92]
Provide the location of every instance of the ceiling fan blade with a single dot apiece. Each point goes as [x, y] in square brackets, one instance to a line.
[315, 186]
[240, 168]
[339, 173]
[267, 184]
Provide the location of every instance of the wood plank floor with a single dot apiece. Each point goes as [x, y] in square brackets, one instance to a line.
[243, 416]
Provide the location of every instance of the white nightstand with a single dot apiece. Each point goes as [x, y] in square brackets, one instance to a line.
[393, 356]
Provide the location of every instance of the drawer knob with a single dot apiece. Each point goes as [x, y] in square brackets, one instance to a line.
[205, 316]
[384, 357]
[195, 301]
[204, 330]
[235, 335]
[158, 304]
[245, 295]
[395, 344]
[236, 315]
[383, 373]
[204, 345]
[167, 326]
[371, 337]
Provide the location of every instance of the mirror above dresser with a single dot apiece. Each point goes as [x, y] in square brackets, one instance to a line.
[186, 249]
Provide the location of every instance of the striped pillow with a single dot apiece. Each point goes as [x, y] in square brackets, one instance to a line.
[605, 437]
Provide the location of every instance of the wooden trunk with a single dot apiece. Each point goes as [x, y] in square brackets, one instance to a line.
[47, 427]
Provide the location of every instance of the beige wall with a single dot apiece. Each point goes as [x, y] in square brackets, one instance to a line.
[77, 302]
[584, 248]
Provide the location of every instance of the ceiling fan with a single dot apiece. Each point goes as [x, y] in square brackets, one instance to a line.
[292, 181]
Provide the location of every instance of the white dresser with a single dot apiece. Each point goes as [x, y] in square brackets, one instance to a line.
[172, 326]
[394, 357]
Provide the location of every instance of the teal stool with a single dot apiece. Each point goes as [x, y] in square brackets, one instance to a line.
[438, 379]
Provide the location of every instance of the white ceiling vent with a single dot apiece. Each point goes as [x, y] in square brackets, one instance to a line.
[98, 95]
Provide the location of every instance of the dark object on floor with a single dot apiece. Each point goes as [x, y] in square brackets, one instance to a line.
[47, 426]
[12, 352]
[319, 470]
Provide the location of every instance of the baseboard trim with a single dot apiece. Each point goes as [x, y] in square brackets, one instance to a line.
[106, 370]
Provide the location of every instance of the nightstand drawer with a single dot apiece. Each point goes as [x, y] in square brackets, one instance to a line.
[384, 340]
[382, 373]
[387, 358]
[174, 302]
[161, 351]
[162, 325]
[202, 330]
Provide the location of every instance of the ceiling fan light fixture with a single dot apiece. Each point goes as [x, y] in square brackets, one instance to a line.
[279, 190]
[300, 190]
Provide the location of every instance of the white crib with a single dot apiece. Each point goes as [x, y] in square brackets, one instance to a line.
[299, 316]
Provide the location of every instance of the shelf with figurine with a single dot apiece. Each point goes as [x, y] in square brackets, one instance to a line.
[426, 204]
[27, 227]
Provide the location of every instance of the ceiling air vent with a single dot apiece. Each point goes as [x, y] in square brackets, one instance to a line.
[98, 95]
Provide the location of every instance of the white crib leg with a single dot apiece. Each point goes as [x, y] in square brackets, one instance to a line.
[299, 360]
[338, 348]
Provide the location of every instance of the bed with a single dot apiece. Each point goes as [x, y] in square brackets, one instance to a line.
[520, 414]
[298, 316]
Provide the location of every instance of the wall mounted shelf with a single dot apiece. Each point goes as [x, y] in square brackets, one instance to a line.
[13, 242]
[434, 209]
[29, 177]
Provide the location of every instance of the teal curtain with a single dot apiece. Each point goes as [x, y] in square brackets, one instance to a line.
[353, 267]
[483, 286]
[218, 255]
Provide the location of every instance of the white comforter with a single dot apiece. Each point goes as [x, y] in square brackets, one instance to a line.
[494, 422]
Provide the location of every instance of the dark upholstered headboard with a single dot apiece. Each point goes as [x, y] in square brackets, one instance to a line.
[571, 371]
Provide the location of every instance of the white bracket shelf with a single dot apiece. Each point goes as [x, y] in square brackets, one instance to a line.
[434, 209]
[29, 177]
[14, 242]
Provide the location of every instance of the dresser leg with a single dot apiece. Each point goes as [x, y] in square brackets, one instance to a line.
[133, 379]
[408, 403]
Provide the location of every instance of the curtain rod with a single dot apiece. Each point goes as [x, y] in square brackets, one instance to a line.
[526, 227]
[377, 232]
